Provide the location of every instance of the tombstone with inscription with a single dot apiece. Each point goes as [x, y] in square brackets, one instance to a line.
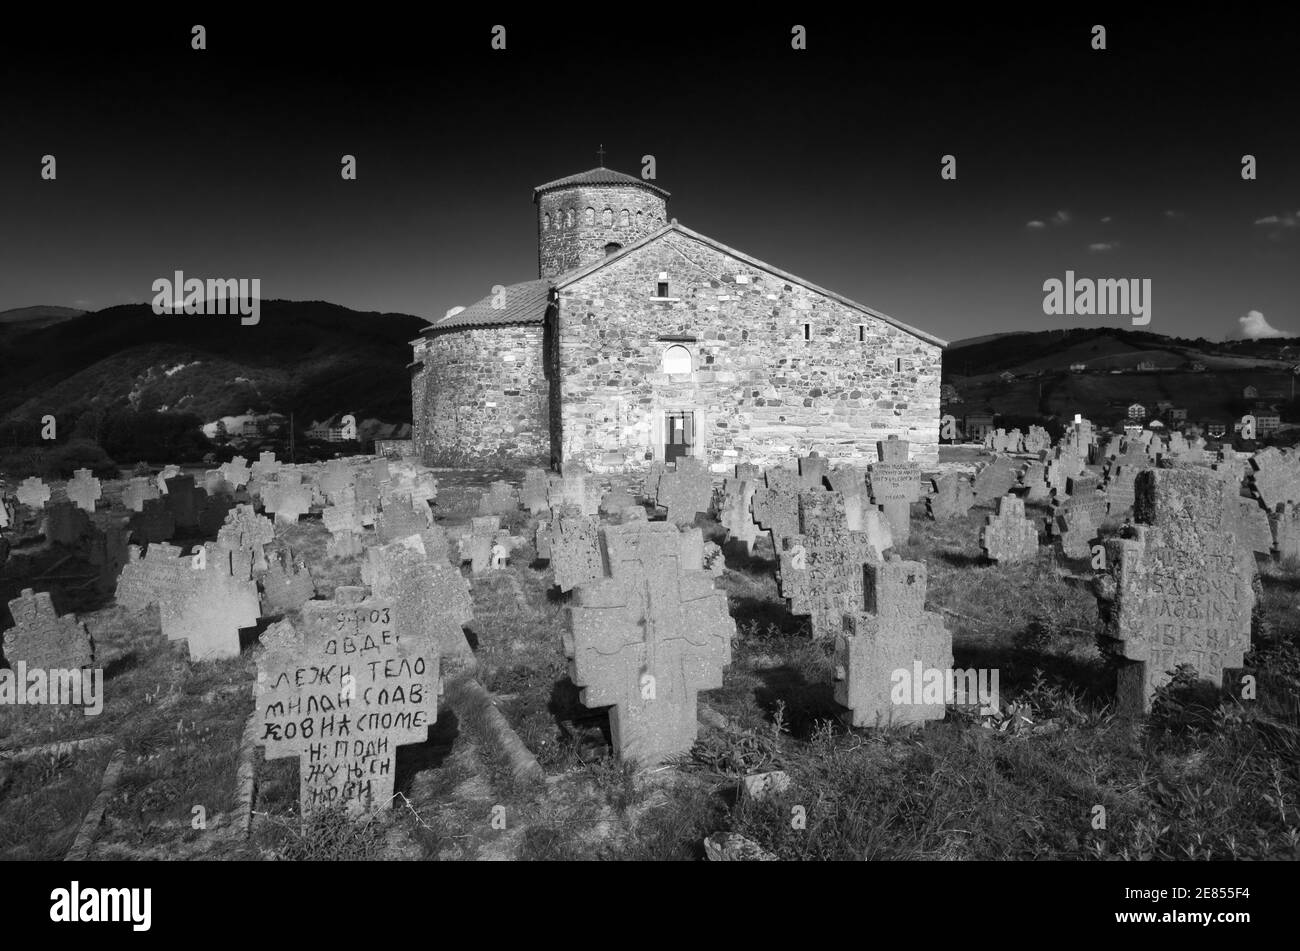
[1180, 592]
[575, 551]
[776, 505]
[889, 639]
[340, 690]
[1008, 536]
[647, 638]
[895, 485]
[42, 639]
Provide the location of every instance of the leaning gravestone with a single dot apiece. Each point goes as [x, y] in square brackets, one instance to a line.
[207, 607]
[1008, 536]
[895, 485]
[645, 640]
[575, 551]
[1276, 476]
[1180, 592]
[776, 505]
[685, 491]
[887, 639]
[1076, 530]
[340, 691]
[1249, 523]
[84, 490]
[33, 493]
[995, 479]
[430, 601]
[533, 496]
[952, 497]
[1119, 490]
[736, 517]
[43, 640]
[1035, 482]
[286, 586]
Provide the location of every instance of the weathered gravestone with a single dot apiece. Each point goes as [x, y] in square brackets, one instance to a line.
[995, 479]
[686, 490]
[206, 607]
[185, 501]
[484, 531]
[616, 500]
[340, 691]
[1286, 530]
[214, 512]
[236, 472]
[137, 491]
[143, 579]
[1180, 591]
[895, 485]
[886, 643]
[1119, 490]
[1076, 530]
[645, 640]
[952, 497]
[575, 551]
[153, 523]
[66, 524]
[534, 494]
[42, 639]
[430, 601]
[265, 467]
[1008, 536]
[1276, 476]
[822, 568]
[776, 505]
[500, 499]
[1034, 479]
[33, 493]
[287, 498]
[735, 514]
[84, 490]
[1037, 440]
[1248, 523]
[577, 489]
[812, 471]
[246, 534]
[109, 551]
[398, 520]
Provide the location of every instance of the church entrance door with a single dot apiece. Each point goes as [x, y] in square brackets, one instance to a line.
[679, 435]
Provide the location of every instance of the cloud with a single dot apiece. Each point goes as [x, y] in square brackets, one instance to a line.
[1278, 225]
[1106, 220]
[1035, 225]
[1253, 326]
[1100, 247]
[83, 304]
[1062, 217]
[1174, 215]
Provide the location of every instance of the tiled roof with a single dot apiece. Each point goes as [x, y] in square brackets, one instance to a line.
[525, 303]
[598, 176]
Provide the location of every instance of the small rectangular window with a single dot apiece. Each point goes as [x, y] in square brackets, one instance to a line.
[807, 331]
[898, 365]
[661, 289]
[862, 333]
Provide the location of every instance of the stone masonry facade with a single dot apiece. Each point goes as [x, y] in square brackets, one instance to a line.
[777, 369]
[575, 225]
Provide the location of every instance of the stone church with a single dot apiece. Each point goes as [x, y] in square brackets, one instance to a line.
[642, 340]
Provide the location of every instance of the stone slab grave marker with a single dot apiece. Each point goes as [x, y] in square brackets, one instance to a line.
[1008, 536]
[853, 484]
[501, 499]
[1034, 479]
[44, 640]
[1276, 476]
[430, 600]
[336, 477]
[109, 551]
[287, 498]
[685, 491]
[647, 638]
[153, 523]
[1286, 530]
[812, 471]
[185, 501]
[168, 472]
[247, 533]
[576, 556]
[573, 488]
[895, 485]
[1119, 490]
[1037, 440]
[735, 515]
[995, 479]
[367, 494]
[341, 690]
[84, 490]
[399, 519]
[889, 634]
[33, 493]
[822, 567]
[66, 524]
[533, 497]
[143, 579]
[952, 498]
[265, 467]
[236, 472]
[215, 484]
[207, 607]
[483, 533]
[1180, 592]
[286, 585]
[137, 491]
[1076, 530]
[616, 500]
[214, 513]
[776, 505]
[1249, 523]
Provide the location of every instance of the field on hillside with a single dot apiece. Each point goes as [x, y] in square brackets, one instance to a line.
[1205, 777]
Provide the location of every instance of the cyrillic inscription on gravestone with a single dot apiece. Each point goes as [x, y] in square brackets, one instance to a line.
[42, 639]
[341, 691]
[895, 485]
[648, 638]
[885, 643]
[1178, 593]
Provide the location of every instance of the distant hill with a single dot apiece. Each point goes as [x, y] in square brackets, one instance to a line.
[310, 357]
[33, 318]
[1044, 383]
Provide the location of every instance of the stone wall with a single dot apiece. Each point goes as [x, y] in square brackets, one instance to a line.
[620, 214]
[760, 391]
[481, 397]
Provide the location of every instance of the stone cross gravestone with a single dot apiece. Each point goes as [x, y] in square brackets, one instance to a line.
[534, 494]
[995, 479]
[137, 491]
[647, 638]
[340, 691]
[84, 490]
[65, 524]
[1180, 592]
[398, 520]
[430, 601]
[236, 472]
[886, 643]
[735, 516]
[207, 607]
[33, 493]
[1008, 536]
[287, 498]
[952, 497]
[895, 485]
[42, 639]
[1076, 531]
[286, 585]
[776, 505]
[685, 491]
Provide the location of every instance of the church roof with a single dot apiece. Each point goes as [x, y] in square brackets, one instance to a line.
[524, 303]
[598, 176]
[577, 274]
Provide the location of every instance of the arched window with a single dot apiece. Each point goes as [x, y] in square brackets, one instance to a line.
[607, 217]
[626, 218]
[568, 218]
[638, 219]
[677, 359]
[612, 247]
[591, 215]
[546, 223]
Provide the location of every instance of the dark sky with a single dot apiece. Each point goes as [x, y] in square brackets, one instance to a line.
[824, 162]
